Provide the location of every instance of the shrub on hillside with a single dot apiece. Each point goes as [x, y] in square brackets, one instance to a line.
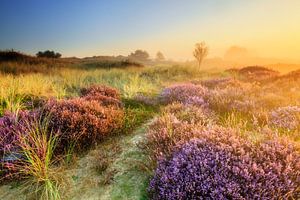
[81, 121]
[220, 165]
[258, 73]
[182, 93]
[285, 117]
[293, 75]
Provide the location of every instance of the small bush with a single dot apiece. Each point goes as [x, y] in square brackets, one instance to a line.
[233, 95]
[191, 114]
[177, 125]
[257, 73]
[95, 90]
[212, 83]
[81, 121]
[220, 165]
[104, 95]
[11, 123]
[285, 117]
[182, 93]
[11, 127]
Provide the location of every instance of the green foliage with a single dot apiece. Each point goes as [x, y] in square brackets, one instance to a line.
[136, 114]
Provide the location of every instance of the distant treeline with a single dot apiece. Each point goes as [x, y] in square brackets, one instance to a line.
[13, 62]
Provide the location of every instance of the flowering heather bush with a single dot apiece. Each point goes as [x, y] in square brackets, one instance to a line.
[196, 101]
[191, 114]
[95, 90]
[104, 100]
[10, 125]
[285, 117]
[164, 134]
[178, 124]
[232, 95]
[220, 165]
[182, 92]
[82, 121]
[106, 96]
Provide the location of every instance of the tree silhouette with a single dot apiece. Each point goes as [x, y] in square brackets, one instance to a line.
[160, 56]
[48, 54]
[139, 55]
[200, 52]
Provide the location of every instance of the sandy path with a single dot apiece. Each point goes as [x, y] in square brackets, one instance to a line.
[83, 180]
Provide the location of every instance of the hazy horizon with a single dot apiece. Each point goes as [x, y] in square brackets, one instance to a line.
[265, 29]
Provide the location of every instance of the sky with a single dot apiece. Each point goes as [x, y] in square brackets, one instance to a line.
[266, 28]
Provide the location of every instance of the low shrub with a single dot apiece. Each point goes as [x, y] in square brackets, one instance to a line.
[11, 123]
[178, 124]
[104, 95]
[233, 95]
[258, 73]
[220, 165]
[95, 90]
[182, 93]
[81, 121]
[285, 117]
[104, 100]
[212, 83]
[11, 127]
[191, 114]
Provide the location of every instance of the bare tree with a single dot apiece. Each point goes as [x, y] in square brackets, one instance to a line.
[160, 56]
[200, 52]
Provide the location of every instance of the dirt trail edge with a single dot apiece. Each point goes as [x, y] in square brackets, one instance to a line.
[122, 179]
[109, 171]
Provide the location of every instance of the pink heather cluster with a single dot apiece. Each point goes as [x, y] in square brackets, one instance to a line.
[184, 93]
[285, 117]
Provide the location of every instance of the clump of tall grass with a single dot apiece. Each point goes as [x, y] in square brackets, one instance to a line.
[37, 147]
[11, 100]
[27, 152]
[10, 125]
